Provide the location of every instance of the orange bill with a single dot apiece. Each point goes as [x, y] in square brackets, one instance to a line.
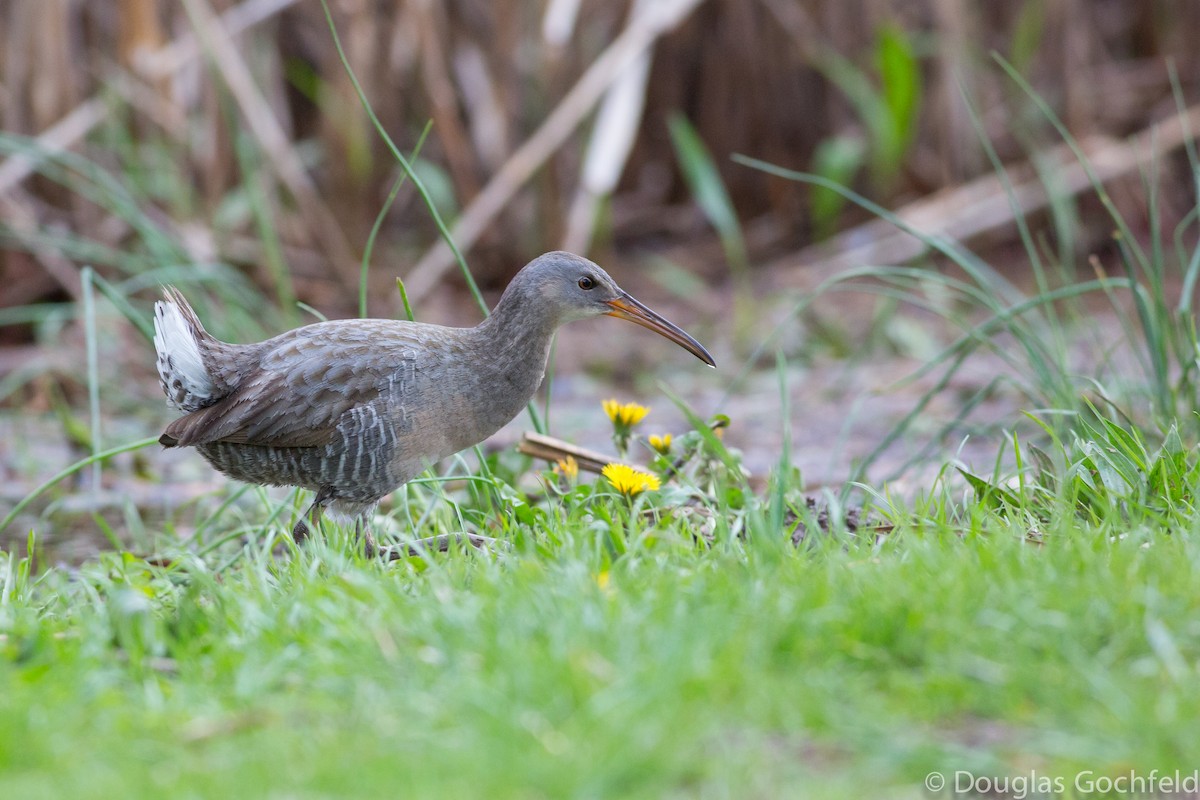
[625, 307]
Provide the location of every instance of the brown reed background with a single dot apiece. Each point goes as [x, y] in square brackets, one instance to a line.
[750, 75]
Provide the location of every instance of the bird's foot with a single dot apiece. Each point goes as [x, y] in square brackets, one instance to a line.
[438, 544]
[301, 531]
[311, 518]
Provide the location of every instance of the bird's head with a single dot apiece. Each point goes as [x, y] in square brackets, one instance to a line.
[570, 287]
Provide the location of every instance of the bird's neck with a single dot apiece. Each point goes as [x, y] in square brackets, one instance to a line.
[506, 362]
[516, 338]
[510, 350]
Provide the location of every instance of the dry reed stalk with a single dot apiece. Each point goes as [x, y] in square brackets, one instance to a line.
[140, 36]
[482, 105]
[613, 135]
[443, 98]
[82, 119]
[743, 73]
[274, 142]
[957, 151]
[58, 137]
[151, 101]
[558, 23]
[583, 96]
[16, 211]
[186, 48]
[965, 212]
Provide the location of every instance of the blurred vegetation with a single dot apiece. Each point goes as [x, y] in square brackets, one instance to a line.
[223, 147]
[237, 139]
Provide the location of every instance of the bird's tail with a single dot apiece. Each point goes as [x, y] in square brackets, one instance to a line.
[180, 341]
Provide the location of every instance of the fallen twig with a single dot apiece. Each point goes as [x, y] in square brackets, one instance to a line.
[436, 544]
[554, 450]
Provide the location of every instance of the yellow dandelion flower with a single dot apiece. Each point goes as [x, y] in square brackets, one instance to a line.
[567, 467]
[602, 580]
[630, 481]
[625, 414]
[661, 443]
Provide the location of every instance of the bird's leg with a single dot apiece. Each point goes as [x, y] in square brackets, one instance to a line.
[363, 528]
[311, 519]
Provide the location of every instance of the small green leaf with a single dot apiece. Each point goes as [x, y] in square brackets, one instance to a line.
[708, 190]
[901, 89]
[837, 159]
[994, 497]
[1047, 475]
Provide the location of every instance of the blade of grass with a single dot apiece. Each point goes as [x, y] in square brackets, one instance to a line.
[71, 470]
[408, 309]
[88, 179]
[118, 299]
[1097, 185]
[982, 272]
[370, 248]
[708, 190]
[93, 369]
[403, 162]
[783, 469]
[258, 193]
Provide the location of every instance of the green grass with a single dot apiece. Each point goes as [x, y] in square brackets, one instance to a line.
[1044, 622]
[559, 669]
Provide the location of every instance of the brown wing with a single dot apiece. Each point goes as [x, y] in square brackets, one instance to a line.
[306, 380]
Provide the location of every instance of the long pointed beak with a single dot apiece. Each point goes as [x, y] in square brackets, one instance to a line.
[625, 307]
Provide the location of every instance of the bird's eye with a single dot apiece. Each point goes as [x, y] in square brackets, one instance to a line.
[587, 282]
